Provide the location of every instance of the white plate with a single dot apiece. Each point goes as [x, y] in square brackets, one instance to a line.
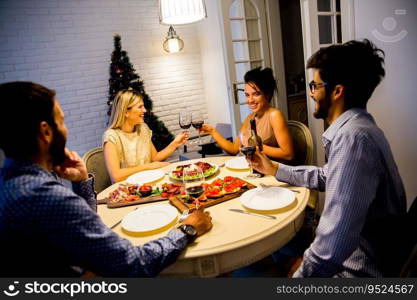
[149, 218]
[237, 163]
[267, 198]
[216, 168]
[145, 177]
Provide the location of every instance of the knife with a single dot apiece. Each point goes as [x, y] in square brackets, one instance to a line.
[120, 221]
[251, 213]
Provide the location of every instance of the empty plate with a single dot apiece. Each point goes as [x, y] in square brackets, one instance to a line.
[237, 163]
[145, 177]
[149, 218]
[267, 198]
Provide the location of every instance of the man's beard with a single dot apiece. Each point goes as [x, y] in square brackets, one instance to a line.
[323, 108]
[57, 148]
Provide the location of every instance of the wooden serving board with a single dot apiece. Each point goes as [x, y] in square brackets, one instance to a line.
[181, 205]
[128, 203]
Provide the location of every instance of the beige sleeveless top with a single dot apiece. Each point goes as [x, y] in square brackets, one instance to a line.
[264, 129]
[133, 148]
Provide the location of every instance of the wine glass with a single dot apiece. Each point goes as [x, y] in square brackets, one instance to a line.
[197, 121]
[247, 149]
[184, 120]
[193, 181]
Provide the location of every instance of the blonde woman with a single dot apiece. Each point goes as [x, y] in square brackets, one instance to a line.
[127, 143]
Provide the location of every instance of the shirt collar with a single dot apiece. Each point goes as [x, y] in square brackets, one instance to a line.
[330, 133]
[17, 163]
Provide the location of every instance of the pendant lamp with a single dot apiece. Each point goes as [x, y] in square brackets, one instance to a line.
[173, 43]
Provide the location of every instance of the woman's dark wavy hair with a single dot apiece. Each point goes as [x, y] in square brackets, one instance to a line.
[358, 65]
[24, 105]
[264, 80]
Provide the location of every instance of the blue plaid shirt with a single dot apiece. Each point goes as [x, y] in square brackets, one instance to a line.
[46, 229]
[362, 185]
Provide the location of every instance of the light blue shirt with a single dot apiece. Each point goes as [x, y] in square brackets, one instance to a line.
[362, 186]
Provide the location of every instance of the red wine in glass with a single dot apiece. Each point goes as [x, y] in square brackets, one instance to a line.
[197, 121]
[193, 178]
[248, 151]
[184, 120]
[195, 191]
[197, 124]
[185, 125]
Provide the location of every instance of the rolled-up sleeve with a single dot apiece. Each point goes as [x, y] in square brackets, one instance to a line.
[307, 176]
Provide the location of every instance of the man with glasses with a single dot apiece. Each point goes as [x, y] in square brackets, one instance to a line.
[363, 187]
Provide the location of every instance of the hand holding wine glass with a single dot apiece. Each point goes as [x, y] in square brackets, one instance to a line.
[181, 139]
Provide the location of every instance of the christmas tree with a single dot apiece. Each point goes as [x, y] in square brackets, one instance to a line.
[123, 76]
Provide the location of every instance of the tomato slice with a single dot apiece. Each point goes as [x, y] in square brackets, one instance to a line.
[215, 192]
[218, 182]
[231, 189]
[229, 178]
[239, 182]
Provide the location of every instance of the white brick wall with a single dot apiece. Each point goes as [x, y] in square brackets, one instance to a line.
[66, 45]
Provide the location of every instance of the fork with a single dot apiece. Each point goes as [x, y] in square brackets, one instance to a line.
[262, 185]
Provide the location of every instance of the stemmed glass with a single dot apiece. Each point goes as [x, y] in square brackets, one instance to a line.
[193, 181]
[184, 120]
[197, 121]
[247, 150]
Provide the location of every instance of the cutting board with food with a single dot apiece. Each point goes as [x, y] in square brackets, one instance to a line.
[132, 194]
[220, 190]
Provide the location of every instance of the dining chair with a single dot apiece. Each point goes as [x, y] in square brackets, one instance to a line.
[94, 161]
[211, 148]
[303, 149]
[303, 143]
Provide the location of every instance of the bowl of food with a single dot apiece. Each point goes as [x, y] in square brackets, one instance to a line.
[145, 190]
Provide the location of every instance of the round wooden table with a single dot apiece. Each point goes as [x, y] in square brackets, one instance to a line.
[236, 240]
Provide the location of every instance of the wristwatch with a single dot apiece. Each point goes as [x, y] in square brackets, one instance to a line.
[189, 231]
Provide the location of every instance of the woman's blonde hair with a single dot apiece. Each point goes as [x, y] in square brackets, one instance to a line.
[124, 100]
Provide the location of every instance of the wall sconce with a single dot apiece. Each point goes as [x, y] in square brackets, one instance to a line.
[175, 12]
[173, 43]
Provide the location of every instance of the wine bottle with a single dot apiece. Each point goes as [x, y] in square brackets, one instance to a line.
[255, 139]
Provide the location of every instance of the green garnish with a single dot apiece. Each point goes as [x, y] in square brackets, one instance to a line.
[156, 192]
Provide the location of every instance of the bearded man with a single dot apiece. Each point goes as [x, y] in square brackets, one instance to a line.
[48, 229]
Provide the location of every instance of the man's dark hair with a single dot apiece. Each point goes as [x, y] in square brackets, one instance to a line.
[264, 80]
[358, 65]
[24, 105]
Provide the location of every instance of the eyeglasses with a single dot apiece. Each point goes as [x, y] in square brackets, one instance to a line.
[313, 85]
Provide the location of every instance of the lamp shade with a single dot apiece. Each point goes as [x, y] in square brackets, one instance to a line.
[175, 12]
